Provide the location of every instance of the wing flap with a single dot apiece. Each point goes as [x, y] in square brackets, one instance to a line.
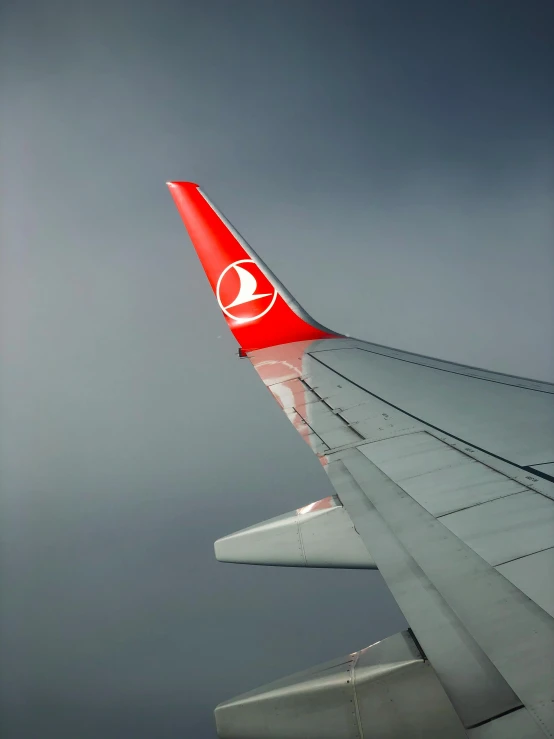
[506, 529]
[472, 682]
[442, 479]
[516, 634]
[533, 575]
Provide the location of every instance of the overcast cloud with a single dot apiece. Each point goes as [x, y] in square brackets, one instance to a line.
[391, 161]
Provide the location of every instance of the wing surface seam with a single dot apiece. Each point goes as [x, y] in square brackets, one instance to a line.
[524, 623]
[425, 607]
[445, 369]
[433, 426]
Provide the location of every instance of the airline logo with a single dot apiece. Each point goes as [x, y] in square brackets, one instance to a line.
[243, 291]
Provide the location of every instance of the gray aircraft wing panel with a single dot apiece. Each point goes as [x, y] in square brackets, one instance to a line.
[506, 629]
[460, 528]
[508, 417]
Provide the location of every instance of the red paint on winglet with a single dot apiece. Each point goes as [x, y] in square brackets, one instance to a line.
[255, 311]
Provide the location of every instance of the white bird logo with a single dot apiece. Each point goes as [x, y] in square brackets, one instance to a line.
[247, 291]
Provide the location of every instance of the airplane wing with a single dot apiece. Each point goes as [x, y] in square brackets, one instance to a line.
[444, 481]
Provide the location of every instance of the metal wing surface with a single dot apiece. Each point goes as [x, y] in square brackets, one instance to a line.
[444, 481]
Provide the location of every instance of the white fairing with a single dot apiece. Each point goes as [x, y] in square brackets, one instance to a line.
[317, 535]
[385, 691]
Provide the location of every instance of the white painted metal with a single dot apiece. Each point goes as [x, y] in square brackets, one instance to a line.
[287, 392]
[516, 725]
[475, 687]
[330, 427]
[512, 630]
[513, 422]
[318, 535]
[450, 489]
[534, 576]
[385, 691]
[438, 485]
[371, 409]
[507, 528]
[432, 362]
[428, 455]
[440, 478]
[385, 426]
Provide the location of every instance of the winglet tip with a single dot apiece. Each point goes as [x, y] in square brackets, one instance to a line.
[259, 310]
[177, 183]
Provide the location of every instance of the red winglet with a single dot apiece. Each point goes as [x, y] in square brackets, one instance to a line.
[257, 307]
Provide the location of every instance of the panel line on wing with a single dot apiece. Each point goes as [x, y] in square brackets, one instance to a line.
[472, 683]
[529, 383]
[335, 413]
[523, 556]
[430, 425]
[482, 502]
[511, 629]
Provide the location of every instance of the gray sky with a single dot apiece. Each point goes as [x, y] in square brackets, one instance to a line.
[391, 161]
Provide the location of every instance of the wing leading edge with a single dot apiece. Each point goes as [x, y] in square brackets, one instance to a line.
[442, 471]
